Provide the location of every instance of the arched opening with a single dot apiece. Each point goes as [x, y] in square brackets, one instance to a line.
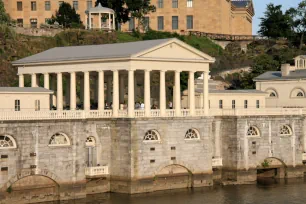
[271, 168]
[36, 188]
[173, 176]
[91, 157]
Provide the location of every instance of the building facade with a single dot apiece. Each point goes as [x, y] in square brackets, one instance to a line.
[233, 17]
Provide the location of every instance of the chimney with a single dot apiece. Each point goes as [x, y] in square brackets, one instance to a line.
[285, 69]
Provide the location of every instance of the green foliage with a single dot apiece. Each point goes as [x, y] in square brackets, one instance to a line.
[263, 63]
[67, 17]
[4, 17]
[275, 23]
[265, 163]
[9, 189]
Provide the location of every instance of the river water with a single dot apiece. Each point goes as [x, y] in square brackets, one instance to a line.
[269, 191]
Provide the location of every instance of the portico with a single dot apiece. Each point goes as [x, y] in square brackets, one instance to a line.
[113, 70]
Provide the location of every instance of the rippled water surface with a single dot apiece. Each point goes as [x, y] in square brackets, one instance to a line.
[267, 192]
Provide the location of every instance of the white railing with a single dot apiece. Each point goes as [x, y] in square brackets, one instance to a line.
[96, 171]
[217, 162]
[304, 156]
[81, 114]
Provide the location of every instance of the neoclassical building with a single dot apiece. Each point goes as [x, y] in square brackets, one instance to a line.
[233, 17]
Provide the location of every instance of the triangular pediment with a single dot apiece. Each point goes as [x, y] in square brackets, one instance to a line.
[174, 49]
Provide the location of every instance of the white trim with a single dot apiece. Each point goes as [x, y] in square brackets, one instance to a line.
[60, 145]
[13, 141]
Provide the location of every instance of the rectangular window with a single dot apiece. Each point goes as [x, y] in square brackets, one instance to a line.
[47, 5]
[189, 22]
[17, 105]
[189, 3]
[221, 104]
[20, 22]
[257, 104]
[174, 22]
[174, 3]
[160, 23]
[233, 104]
[89, 4]
[245, 103]
[131, 24]
[33, 22]
[33, 5]
[160, 4]
[19, 5]
[76, 5]
[146, 23]
[37, 105]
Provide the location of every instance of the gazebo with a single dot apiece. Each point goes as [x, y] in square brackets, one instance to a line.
[106, 18]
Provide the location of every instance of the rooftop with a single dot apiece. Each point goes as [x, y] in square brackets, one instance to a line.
[91, 52]
[277, 75]
[24, 90]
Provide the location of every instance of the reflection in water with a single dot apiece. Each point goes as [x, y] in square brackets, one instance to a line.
[270, 191]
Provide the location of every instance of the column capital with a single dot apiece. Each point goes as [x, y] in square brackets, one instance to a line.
[20, 74]
[178, 71]
[100, 71]
[191, 71]
[163, 70]
[45, 73]
[85, 71]
[148, 70]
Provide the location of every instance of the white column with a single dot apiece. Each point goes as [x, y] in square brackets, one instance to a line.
[121, 89]
[53, 88]
[114, 26]
[21, 80]
[101, 91]
[89, 21]
[191, 96]
[109, 90]
[86, 91]
[82, 88]
[177, 93]
[33, 80]
[72, 91]
[100, 26]
[147, 94]
[162, 93]
[59, 91]
[131, 100]
[109, 21]
[205, 93]
[115, 93]
[46, 81]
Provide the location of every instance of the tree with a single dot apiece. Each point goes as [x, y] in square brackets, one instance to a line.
[275, 23]
[139, 8]
[264, 63]
[67, 16]
[298, 20]
[4, 17]
[122, 13]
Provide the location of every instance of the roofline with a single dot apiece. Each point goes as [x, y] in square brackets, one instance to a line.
[26, 92]
[260, 80]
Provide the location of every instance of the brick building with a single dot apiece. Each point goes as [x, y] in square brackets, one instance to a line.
[210, 16]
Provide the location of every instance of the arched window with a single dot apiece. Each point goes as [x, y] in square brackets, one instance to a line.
[90, 141]
[151, 135]
[285, 130]
[253, 132]
[297, 93]
[272, 93]
[59, 139]
[7, 142]
[192, 134]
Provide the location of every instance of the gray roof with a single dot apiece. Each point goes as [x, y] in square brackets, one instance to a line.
[88, 52]
[241, 3]
[277, 75]
[25, 90]
[100, 9]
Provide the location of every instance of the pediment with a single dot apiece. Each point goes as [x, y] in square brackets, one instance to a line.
[174, 50]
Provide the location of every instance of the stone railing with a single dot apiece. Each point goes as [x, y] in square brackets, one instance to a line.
[217, 162]
[81, 114]
[96, 171]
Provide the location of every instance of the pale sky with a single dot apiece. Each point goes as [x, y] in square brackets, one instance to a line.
[260, 7]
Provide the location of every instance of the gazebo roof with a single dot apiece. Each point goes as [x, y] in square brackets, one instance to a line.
[100, 9]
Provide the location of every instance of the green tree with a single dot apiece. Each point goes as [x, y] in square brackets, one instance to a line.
[263, 63]
[121, 12]
[139, 9]
[298, 20]
[4, 17]
[67, 16]
[275, 23]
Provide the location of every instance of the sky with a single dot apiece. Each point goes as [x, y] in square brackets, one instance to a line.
[260, 7]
